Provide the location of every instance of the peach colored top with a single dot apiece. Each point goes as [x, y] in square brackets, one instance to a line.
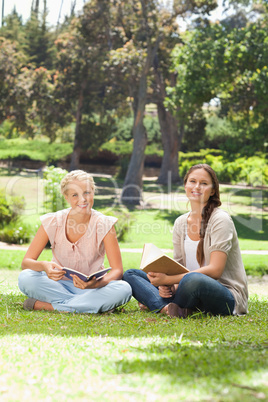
[87, 254]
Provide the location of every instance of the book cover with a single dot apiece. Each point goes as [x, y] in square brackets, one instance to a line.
[154, 260]
[85, 278]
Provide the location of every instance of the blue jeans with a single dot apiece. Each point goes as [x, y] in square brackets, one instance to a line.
[196, 291]
[64, 296]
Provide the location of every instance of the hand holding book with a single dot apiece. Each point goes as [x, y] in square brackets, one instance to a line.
[98, 275]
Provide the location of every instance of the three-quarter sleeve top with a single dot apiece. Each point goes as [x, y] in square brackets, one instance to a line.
[220, 235]
[87, 254]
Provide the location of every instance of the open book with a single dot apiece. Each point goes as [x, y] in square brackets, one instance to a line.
[85, 278]
[154, 260]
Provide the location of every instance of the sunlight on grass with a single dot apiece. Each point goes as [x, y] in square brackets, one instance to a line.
[129, 355]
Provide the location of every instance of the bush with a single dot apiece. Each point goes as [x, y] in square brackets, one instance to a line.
[11, 230]
[54, 201]
[124, 126]
[10, 207]
[34, 150]
[249, 171]
[16, 233]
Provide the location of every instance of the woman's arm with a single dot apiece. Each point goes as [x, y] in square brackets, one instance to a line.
[35, 249]
[115, 261]
[216, 265]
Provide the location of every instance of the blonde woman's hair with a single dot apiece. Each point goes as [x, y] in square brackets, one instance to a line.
[79, 175]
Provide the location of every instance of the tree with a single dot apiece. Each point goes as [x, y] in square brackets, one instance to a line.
[82, 82]
[145, 25]
[39, 41]
[13, 28]
[219, 61]
[11, 63]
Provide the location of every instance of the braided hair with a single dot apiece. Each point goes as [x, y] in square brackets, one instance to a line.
[213, 202]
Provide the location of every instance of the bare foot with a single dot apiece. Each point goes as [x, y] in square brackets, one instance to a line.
[173, 310]
[143, 307]
[39, 305]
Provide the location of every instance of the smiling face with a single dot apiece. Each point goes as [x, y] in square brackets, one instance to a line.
[80, 196]
[199, 186]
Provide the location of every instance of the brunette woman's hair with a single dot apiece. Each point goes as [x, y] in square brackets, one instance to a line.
[213, 202]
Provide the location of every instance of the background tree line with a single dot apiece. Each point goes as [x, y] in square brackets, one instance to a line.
[98, 71]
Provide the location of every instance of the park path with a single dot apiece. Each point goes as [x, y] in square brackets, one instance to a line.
[7, 246]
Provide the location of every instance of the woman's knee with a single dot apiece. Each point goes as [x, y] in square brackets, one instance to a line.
[128, 274]
[27, 278]
[125, 290]
[192, 281]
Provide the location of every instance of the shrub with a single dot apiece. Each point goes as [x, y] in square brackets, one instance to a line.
[10, 207]
[54, 200]
[16, 233]
[11, 230]
[250, 171]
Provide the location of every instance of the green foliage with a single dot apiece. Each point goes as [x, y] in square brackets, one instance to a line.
[12, 230]
[16, 233]
[119, 148]
[124, 126]
[54, 200]
[34, 150]
[7, 130]
[93, 132]
[222, 134]
[217, 61]
[10, 207]
[251, 171]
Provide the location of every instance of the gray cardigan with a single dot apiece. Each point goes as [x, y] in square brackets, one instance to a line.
[220, 236]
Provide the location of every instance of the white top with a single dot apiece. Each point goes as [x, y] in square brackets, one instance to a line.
[190, 247]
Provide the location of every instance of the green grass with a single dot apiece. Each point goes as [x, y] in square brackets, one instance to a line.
[129, 355]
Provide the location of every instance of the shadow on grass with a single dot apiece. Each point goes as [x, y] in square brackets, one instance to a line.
[247, 226]
[251, 227]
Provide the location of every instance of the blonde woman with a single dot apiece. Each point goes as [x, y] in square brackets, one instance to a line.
[79, 237]
[205, 241]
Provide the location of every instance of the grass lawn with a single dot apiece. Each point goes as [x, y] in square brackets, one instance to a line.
[129, 355]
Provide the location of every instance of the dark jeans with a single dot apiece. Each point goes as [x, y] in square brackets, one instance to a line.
[196, 291]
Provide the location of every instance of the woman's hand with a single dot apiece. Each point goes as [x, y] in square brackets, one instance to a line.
[157, 278]
[53, 270]
[92, 284]
[166, 291]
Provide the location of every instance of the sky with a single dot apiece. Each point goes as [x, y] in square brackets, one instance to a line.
[55, 10]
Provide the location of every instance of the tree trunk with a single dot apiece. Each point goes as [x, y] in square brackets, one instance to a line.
[132, 190]
[170, 141]
[75, 159]
[169, 132]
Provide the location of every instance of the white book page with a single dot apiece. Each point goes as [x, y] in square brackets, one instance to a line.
[150, 254]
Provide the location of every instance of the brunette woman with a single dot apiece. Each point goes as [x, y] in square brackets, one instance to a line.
[205, 241]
